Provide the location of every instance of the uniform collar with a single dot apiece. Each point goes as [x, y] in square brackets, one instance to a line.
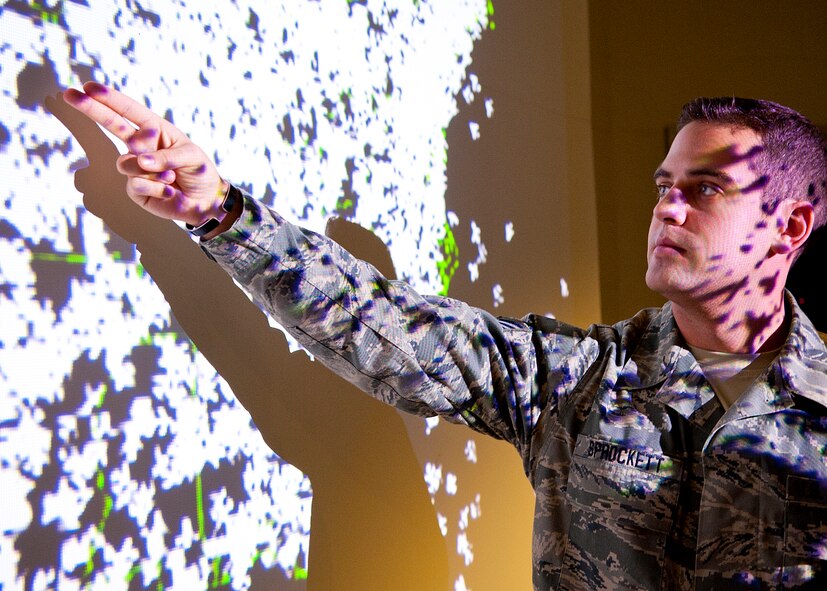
[662, 359]
[802, 362]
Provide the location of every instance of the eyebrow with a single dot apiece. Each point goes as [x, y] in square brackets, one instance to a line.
[708, 172]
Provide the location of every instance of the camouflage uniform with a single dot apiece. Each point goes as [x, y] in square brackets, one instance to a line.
[642, 481]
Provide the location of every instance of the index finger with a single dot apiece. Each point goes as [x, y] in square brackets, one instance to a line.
[112, 110]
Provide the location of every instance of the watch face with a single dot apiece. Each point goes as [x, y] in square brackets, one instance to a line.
[229, 201]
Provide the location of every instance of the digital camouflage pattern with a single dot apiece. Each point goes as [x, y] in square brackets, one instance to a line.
[642, 481]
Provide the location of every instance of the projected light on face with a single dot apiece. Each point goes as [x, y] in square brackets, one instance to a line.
[322, 108]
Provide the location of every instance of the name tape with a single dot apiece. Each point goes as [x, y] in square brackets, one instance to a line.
[618, 454]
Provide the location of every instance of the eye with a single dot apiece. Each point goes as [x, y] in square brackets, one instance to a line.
[662, 190]
[707, 190]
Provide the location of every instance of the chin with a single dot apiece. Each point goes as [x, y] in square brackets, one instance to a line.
[654, 280]
[663, 284]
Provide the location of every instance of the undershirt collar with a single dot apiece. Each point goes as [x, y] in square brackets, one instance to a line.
[730, 374]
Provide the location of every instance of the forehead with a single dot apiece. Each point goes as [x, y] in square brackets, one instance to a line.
[713, 146]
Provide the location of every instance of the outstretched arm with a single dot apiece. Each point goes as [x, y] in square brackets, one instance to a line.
[167, 174]
[421, 354]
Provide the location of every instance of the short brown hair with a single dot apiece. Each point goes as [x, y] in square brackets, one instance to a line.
[793, 160]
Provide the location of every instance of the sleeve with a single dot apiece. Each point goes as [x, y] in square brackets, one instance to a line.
[423, 355]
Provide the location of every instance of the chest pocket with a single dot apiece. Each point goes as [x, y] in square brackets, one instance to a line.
[805, 534]
[623, 501]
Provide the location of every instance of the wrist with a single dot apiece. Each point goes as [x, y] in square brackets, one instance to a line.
[229, 203]
[230, 218]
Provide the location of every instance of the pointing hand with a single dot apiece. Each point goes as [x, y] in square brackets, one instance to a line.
[167, 174]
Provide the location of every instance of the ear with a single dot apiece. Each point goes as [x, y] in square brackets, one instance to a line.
[795, 223]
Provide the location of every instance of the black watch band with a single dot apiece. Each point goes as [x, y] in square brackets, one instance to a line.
[211, 224]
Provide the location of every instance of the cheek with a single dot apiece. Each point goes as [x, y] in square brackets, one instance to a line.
[733, 241]
[651, 236]
[743, 241]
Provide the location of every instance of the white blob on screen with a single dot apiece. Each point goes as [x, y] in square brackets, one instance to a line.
[308, 102]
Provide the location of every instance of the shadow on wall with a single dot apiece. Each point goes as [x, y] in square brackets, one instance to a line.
[373, 526]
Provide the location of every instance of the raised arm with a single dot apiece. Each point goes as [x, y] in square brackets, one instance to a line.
[167, 174]
[425, 355]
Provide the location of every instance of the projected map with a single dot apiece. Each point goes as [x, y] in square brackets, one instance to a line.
[325, 107]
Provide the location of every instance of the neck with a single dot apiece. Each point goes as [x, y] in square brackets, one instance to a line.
[749, 323]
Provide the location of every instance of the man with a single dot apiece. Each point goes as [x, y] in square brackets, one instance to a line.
[683, 448]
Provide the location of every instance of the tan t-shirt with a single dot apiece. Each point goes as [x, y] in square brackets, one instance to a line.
[730, 374]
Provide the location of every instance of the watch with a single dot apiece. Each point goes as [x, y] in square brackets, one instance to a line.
[211, 224]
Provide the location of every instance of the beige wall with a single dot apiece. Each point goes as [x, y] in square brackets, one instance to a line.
[532, 165]
[650, 57]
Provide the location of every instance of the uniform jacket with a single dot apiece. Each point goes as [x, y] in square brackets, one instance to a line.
[642, 481]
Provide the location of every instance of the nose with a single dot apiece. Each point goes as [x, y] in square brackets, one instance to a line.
[671, 208]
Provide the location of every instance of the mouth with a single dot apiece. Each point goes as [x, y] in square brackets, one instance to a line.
[666, 246]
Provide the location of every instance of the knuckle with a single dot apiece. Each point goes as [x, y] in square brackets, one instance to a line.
[138, 186]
